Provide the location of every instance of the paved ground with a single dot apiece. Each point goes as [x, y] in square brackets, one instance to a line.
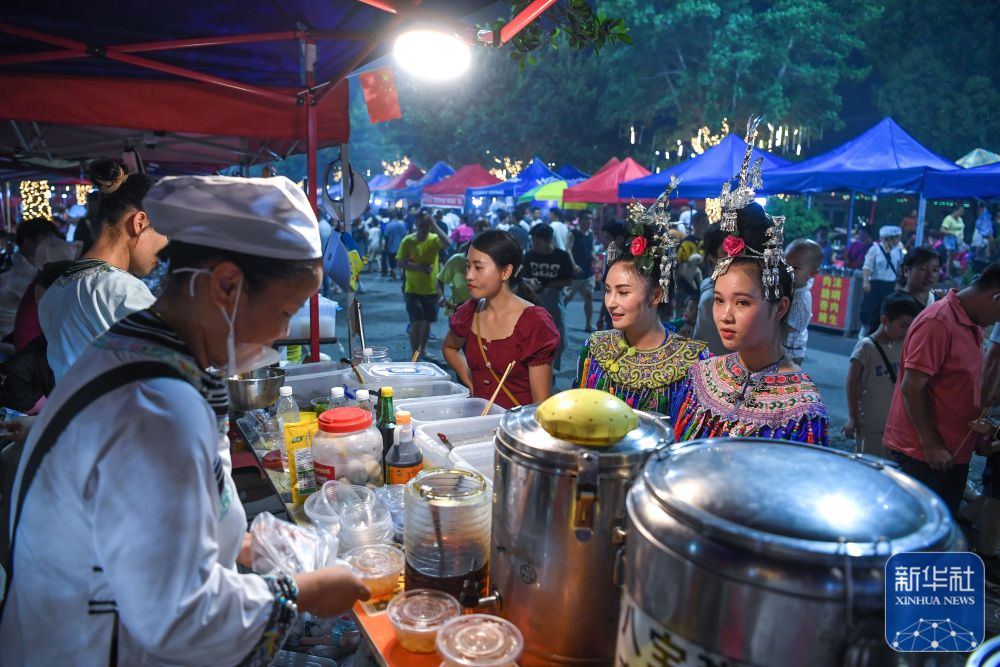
[385, 324]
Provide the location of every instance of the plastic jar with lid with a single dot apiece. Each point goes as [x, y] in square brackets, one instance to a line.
[348, 447]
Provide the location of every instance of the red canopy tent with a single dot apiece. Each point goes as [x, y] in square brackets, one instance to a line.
[195, 82]
[610, 163]
[412, 173]
[602, 187]
[450, 193]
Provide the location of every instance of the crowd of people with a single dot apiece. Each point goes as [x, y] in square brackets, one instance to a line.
[706, 323]
[706, 340]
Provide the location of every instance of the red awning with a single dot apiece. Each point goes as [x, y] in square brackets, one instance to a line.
[602, 187]
[450, 192]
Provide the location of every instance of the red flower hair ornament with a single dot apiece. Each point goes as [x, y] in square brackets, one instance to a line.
[734, 246]
[638, 246]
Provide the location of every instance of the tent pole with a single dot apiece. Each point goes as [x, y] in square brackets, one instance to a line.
[311, 175]
[850, 218]
[345, 191]
[871, 216]
[921, 216]
[809, 201]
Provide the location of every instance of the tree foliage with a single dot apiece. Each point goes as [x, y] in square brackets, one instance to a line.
[692, 63]
[937, 72]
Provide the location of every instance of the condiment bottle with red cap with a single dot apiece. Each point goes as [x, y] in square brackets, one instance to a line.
[348, 448]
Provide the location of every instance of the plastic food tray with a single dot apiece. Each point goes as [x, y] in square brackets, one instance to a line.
[424, 411]
[460, 432]
[388, 372]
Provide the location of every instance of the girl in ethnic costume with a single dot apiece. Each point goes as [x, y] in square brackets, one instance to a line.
[755, 391]
[639, 360]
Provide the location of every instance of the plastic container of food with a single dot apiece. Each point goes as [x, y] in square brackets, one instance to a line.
[479, 640]
[417, 616]
[378, 566]
[449, 408]
[460, 432]
[386, 373]
[348, 448]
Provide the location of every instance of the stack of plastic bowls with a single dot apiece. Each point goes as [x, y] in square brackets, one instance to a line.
[364, 519]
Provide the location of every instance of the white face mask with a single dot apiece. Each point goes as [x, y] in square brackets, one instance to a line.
[245, 356]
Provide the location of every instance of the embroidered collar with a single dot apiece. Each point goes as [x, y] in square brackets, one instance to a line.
[777, 397]
[649, 369]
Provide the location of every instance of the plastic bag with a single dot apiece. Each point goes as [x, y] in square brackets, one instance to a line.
[279, 547]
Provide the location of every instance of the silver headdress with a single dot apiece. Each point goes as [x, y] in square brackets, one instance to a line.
[659, 248]
[772, 257]
[749, 179]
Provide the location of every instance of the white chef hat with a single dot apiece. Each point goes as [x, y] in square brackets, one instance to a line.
[888, 231]
[266, 217]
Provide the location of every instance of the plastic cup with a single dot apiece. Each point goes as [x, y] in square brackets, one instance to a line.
[417, 616]
[378, 566]
[479, 640]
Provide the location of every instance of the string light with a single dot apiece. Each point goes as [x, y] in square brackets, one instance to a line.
[713, 209]
[35, 200]
[396, 167]
[506, 168]
[81, 194]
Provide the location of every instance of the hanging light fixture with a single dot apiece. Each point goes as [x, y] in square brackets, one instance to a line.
[432, 53]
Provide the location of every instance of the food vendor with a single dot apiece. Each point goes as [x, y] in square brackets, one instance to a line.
[501, 325]
[639, 360]
[130, 528]
[102, 286]
[755, 391]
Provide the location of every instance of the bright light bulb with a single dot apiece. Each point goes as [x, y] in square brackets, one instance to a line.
[431, 54]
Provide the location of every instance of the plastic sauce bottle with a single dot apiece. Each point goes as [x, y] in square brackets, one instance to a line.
[386, 420]
[288, 413]
[404, 460]
[337, 398]
[364, 401]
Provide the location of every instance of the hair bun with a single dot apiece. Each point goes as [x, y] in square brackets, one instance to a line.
[106, 174]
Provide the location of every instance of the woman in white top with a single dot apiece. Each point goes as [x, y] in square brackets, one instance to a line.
[130, 528]
[101, 287]
[880, 271]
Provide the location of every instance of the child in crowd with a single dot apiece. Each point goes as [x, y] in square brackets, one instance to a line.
[688, 280]
[872, 375]
[684, 325]
[804, 256]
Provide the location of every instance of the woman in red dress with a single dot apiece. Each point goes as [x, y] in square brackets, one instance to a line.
[499, 325]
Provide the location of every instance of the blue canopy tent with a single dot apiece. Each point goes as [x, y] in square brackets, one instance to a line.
[411, 193]
[571, 174]
[884, 159]
[701, 176]
[978, 183]
[535, 174]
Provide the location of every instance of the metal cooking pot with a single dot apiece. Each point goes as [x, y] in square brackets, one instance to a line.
[768, 553]
[558, 523]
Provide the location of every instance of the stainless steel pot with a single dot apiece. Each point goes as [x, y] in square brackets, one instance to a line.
[768, 553]
[558, 523]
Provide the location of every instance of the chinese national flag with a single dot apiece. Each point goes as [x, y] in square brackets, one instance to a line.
[379, 87]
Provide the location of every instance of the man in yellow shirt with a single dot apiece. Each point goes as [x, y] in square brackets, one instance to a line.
[418, 259]
[954, 225]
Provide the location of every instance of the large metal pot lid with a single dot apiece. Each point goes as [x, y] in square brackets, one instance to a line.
[520, 430]
[783, 497]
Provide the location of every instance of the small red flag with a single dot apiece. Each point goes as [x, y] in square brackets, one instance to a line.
[379, 87]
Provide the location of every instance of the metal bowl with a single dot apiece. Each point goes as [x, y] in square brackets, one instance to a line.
[255, 389]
